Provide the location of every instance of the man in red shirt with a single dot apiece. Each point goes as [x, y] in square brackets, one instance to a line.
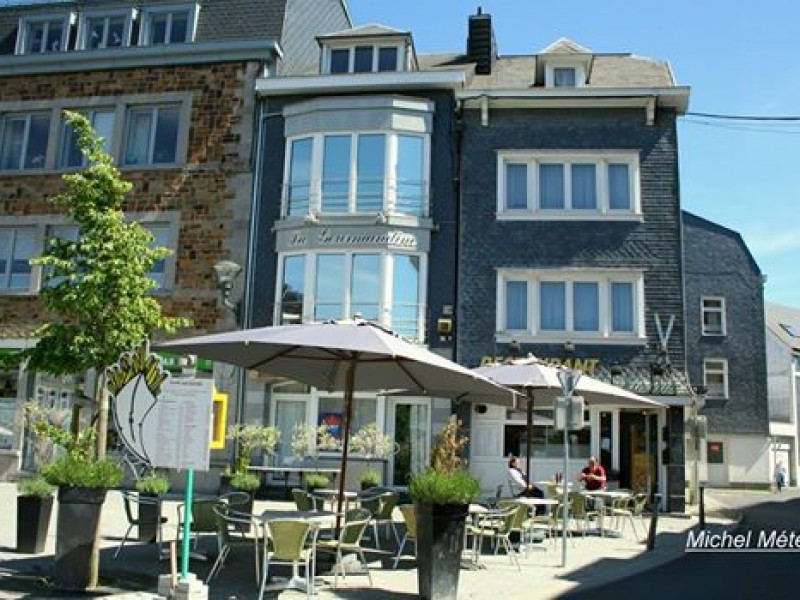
[593, 475]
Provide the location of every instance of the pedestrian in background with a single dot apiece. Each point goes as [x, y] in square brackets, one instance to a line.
[780, 476]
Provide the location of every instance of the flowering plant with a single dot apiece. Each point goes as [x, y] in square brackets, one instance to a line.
[252, 437]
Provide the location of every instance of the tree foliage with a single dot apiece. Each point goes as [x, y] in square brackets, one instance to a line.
[97, 286]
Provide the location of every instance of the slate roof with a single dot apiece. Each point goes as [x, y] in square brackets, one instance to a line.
[778, 315]
[369, 30]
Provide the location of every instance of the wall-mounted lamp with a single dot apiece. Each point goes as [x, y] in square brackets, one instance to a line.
[444, 324]
[569, 347]
[514, 348]
[226, 272]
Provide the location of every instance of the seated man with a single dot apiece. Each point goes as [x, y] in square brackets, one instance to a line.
[593, 475]
[519, 481]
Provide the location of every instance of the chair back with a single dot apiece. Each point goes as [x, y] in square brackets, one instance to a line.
[355, 522]
[578, 506]
[288, 538]
[639, 504]
[410, 517]
[237, 499]
[519, 516]
[553, 490]
[507, 517]
[301, 499]
[204, 520]
[127, 499]
[388, 500]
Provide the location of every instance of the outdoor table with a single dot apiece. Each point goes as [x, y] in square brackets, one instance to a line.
[603, 496]
[332, 496]
[537, 501]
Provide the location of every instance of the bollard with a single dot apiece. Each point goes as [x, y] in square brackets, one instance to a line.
[651, 535]
[702, 508]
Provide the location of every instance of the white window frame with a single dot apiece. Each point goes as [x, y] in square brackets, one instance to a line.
[719, 369]
[154, 108]
[600, 158]
[171, 243]
[66, 19]
[90, 114]
[604, 278]
[351, 48]
[27, 115]
[551, 66]
[148, 12]
[83, 26]
[5, 276]
[385, 301]
[704, 309]
[390, 172]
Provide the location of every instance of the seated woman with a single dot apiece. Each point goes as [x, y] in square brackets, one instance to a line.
[519, 481]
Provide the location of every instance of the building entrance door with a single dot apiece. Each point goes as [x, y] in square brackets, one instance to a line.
[410, 425]
[638, 449]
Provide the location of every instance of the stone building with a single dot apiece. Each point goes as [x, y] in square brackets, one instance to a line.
[170, 86]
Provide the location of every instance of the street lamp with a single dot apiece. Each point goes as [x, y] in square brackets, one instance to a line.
[568, 405]
[226, 272]
[698, 426]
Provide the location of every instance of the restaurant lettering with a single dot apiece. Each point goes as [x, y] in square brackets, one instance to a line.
[585, 365]
[329, 238]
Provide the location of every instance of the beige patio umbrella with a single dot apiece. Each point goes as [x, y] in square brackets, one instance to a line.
[344, 356]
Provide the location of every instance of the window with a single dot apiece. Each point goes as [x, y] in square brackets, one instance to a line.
[547, 441]
[713, 316]
[67, 233]
[168, 25]
[17, 248]
[555, 185]
[44, 33]
[24, 141]
[791, 330]
[105, 30]
[162, 237]
[357, 173]
[715, 377]
[103, 123]
[585, 306]
[564, 77]
[151, 137]
[330, 413]
[321, 286]
[363, 59]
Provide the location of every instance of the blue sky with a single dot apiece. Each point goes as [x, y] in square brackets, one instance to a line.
[738, 57]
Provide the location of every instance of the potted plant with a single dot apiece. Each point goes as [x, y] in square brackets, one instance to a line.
[34, 507]
[249, 438]
[372, 444]
[316, 481]
[82, 480]
[442, 495]
[152, 485]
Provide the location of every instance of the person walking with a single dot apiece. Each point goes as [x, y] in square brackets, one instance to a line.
[780, 476]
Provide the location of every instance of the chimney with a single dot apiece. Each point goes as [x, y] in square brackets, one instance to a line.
[481, 46]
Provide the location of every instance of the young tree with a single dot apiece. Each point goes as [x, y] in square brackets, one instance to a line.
[98, 286]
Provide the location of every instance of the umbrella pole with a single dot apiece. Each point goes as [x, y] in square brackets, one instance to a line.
[529, 435]
[349, 384]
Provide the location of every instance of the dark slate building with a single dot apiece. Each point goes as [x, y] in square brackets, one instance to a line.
[357, 215]
[725, 334]
[570, 248]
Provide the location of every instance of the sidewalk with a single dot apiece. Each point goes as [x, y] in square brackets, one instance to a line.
[590, 561]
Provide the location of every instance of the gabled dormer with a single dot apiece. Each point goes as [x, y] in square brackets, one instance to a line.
[564, 64]
[367, 49]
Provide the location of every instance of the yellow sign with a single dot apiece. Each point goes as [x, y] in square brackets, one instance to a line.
[219, 417]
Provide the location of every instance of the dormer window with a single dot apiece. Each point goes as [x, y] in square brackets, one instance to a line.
[43, 33]
[105, 29]
[168, 24]
[363, 59]
[564, 77]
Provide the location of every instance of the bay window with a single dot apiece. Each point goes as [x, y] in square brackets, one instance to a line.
[546, 185]
[356, 173]
[380, 286]
[586, 305]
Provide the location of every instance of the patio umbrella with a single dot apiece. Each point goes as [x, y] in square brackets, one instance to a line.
[540, 379]
[344, 356]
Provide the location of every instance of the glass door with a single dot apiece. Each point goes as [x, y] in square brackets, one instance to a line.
[409, 423]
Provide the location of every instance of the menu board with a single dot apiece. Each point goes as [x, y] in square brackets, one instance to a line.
[183, 424]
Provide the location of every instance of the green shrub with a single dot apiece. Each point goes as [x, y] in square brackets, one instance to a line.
[370, 477]
[316, 480]
[436, 487]
[35, 486]
[245, 481]
[152, 484]
[74, 471]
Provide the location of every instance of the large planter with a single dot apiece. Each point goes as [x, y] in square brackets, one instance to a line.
[440, 540]
[33, 520]
[78, 522]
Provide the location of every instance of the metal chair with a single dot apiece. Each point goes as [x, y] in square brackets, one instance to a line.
[204, 520]
[141, 518]
[410, 517]
[349, 542]
[579, 511]
[292, 542]
[382, 509]
[497, 527]
[231, 533]
[302, 500]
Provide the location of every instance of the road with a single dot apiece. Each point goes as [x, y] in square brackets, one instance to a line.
[715, 574]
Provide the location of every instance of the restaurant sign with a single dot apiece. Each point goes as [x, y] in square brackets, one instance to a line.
[335, 238]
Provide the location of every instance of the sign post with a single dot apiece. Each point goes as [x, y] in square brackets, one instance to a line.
[568, 379]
